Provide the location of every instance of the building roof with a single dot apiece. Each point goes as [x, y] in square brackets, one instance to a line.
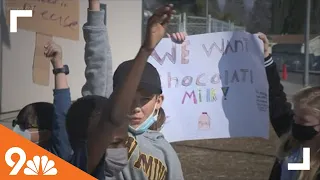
[289, 38]
[295, 43]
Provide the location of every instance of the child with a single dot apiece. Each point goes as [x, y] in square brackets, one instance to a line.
[44, 123]
[81, 121]
[142, 143]
[34, 122]
[81, 125]
[296, 128]
[108, 126]
[304, 133]
[147, 146]
[99, 65]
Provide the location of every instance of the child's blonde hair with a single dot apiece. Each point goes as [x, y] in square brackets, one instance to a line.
[307, 100]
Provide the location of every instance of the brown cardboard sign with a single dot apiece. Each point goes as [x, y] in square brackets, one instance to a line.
[41, 64]
[57, 18]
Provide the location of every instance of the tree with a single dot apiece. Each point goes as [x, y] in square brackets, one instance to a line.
[260, 17]
[288, 16]
[200, 7]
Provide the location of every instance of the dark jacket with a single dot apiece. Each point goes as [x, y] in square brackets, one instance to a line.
[281, 114]
[60, 144]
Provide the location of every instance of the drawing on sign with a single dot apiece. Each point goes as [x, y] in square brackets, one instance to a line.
[208, 96]
[226, 46]
[218, 73]
[202, 80]
[262, 101]
[204, 121]
[203, 94]
[225, 91]
[49, 18]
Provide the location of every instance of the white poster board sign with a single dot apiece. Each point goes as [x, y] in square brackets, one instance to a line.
[215, 86]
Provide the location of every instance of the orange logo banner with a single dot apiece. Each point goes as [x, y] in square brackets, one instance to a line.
[22, 159]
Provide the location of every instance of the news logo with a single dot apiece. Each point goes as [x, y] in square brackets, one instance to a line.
[14, 15]
[33, 166]
[305, 165]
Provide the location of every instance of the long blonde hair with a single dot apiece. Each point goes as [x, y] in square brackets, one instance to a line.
[307, 100]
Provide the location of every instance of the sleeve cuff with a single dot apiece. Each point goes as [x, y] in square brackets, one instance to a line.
[268, 61]
[95, 17]
[61, 91]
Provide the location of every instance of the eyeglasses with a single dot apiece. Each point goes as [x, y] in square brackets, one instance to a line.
[26, 125]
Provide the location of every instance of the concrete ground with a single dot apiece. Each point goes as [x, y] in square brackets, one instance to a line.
[225, 159]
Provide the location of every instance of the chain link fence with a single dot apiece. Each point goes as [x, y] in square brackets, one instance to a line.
[198, 25]
[175, 24]
[195, 25]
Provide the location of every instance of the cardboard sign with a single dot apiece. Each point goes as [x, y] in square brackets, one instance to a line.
[41, 64]
[57, 18]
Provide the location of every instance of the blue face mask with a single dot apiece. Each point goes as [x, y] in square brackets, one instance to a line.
[24, 133]
[145, 125]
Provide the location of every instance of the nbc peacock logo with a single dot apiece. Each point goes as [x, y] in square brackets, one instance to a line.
[47, 166]
[33, 166]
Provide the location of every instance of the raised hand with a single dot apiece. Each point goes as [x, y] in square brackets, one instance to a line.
[54, 52]
[94, 5]
[178, 37]
[265, 41]
[156, 26]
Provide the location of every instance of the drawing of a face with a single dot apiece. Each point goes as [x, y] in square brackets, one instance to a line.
[204, 124]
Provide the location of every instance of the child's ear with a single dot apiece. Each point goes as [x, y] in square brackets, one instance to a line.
[159, 101]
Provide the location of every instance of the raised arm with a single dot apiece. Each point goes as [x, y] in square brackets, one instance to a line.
[114, 117]
[62, 101]
[98, 59]
[281, 114]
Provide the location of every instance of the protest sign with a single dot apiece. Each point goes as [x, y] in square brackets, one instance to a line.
[56, 18]
[41, 63]
[215, 86]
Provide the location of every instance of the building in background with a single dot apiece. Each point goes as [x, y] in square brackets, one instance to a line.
[288, 50]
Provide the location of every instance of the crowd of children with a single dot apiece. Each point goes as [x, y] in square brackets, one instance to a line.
[113, 132]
